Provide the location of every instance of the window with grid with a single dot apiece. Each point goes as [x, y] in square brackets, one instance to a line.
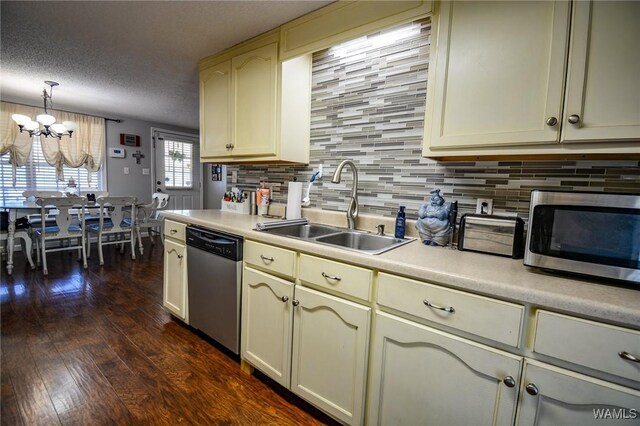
[38, 175]
[178, 164]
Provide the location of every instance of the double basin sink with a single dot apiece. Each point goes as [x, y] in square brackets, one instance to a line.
[360, 241]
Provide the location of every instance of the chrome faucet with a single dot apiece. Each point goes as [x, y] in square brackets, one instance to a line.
[352, 211]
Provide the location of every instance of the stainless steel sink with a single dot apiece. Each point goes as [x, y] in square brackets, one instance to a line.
[360, 241]
[311, 230]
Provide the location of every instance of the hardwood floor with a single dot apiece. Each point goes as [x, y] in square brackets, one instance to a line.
[95, 347]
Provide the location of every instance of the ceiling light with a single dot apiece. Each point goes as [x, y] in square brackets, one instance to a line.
[47, 121]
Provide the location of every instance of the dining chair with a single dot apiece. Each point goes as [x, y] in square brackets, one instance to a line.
[147, 218]
[112, 222]
[36, 219]
[92, 214]
[68, 226]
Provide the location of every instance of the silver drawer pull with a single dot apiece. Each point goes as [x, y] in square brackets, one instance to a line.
[266, 259]
[628, 357]
[331, 277]
[442, 308]
[173, 231]
[176, 252]
[284, 298]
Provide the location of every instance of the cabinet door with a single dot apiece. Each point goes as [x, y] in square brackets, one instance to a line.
[254, 82]
[266, 323]
[215, 111]
[329, 360]
[498, 73]
[603, 81]
[554, 396]
[424, 376]
[174, 294]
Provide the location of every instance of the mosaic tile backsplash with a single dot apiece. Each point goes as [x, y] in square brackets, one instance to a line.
[367, 104]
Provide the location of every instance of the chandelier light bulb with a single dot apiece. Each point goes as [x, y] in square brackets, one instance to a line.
[70, 125]
[59, 128]
[32, 125]
[21, 119]
[46, 119]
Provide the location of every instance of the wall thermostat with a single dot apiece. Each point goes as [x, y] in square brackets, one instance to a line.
[117, 152]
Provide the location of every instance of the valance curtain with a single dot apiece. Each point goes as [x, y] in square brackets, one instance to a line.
[84, 149]
[17, 144]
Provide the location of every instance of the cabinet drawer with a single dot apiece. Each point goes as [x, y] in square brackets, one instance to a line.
[175, 230]
[336, 276]
[273, 259]
[588, 343]
[479, 315]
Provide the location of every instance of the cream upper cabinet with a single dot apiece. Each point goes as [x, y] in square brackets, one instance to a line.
[329, 362]
[266, 323]
[254, 82]
[255, 107]
[603, 80]
[554, 396]
[498, 76]
[497, 79]
[422, 376]
[215, 108]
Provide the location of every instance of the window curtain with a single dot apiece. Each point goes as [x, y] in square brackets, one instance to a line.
[84, 149]
[16, 144]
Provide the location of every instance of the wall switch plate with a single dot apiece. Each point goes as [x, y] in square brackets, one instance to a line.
[234, 176]
[146, 171]
[484, 206]
[126, 170]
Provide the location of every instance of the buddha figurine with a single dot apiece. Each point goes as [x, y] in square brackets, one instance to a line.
[433, 223]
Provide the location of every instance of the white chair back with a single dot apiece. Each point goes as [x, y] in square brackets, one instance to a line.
[114, 208]
[64, 218]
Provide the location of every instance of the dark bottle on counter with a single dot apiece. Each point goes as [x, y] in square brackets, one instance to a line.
[400, 222]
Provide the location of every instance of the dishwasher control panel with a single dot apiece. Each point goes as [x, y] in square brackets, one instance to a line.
[224, 245]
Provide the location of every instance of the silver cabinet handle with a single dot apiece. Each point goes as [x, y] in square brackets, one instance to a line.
[509, 382]
[331, 277]
[173, 231]
[295, 302]
[266, 259]
[229, 146]
[284, 298]
[449, 309]
[176, 252]
[574, 119]
[531, 389]
[628, 357]
[552, 121]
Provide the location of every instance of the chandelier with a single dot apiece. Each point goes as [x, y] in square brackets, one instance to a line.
[48, 122]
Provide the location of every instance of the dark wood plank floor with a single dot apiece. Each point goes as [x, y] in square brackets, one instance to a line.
[95, 347]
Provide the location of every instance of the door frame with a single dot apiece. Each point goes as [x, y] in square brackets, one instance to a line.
[153, 158]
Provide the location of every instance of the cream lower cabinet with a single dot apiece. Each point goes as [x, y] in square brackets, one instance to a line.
[266, 323]
[554, 396]
[423, 376]
[174, 294]
[329, 360]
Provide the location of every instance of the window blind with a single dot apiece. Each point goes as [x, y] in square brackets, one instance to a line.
[38, 175]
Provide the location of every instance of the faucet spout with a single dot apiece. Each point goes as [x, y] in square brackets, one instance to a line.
[352, 210]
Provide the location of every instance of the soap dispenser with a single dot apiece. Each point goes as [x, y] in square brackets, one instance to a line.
[400, 222]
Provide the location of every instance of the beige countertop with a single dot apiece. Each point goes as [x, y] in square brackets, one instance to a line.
[479, 273]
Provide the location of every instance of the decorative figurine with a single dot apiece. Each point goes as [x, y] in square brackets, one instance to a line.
[434, 223]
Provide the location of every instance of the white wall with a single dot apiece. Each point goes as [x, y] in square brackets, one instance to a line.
[135, 183]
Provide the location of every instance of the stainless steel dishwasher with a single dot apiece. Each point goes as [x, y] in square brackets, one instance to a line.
[214, 282]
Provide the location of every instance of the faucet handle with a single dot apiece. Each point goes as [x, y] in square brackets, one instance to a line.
[380, 229]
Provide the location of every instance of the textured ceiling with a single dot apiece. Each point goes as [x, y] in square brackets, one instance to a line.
[125, 59]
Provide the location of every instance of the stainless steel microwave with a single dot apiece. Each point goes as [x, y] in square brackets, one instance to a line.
[585, 233]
